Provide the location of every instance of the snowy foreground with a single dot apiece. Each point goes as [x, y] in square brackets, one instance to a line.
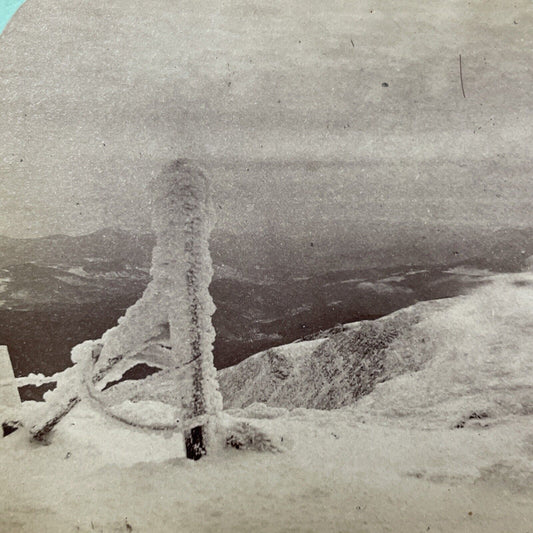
[442, 440]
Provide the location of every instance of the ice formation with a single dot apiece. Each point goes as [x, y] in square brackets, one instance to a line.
[169, 328]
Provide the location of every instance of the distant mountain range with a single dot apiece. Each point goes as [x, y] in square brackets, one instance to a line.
[58, 291]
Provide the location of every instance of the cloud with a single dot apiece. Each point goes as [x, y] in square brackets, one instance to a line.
[383, 288]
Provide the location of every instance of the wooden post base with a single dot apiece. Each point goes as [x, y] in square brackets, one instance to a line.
[194, 443]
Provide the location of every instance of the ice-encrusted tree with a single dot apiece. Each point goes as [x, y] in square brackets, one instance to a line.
[170, 325]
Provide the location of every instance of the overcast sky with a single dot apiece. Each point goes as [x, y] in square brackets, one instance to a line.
[282, 102]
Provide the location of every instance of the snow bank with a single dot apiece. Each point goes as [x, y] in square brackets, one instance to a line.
[337, 475]
[479, 362]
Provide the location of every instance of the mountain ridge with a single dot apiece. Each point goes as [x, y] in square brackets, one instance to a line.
[453, 361]
[46, 293]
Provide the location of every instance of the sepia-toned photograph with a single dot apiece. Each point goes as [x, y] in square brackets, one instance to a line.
[266, 266]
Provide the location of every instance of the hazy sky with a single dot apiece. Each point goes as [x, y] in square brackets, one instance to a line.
[282, 102]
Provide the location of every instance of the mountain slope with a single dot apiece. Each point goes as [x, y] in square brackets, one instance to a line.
[328, 372]
[448, 361]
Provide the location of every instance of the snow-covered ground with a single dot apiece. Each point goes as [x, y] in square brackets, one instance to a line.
[444, 442]
[338, 475]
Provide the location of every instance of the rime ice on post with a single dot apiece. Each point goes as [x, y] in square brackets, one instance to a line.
[171, 323]
[169, 329]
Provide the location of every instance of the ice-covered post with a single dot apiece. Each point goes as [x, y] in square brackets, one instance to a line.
[170, 323]
[176, 303]
[183, 217]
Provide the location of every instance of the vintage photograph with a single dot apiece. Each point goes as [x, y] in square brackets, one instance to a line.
[266, 267]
